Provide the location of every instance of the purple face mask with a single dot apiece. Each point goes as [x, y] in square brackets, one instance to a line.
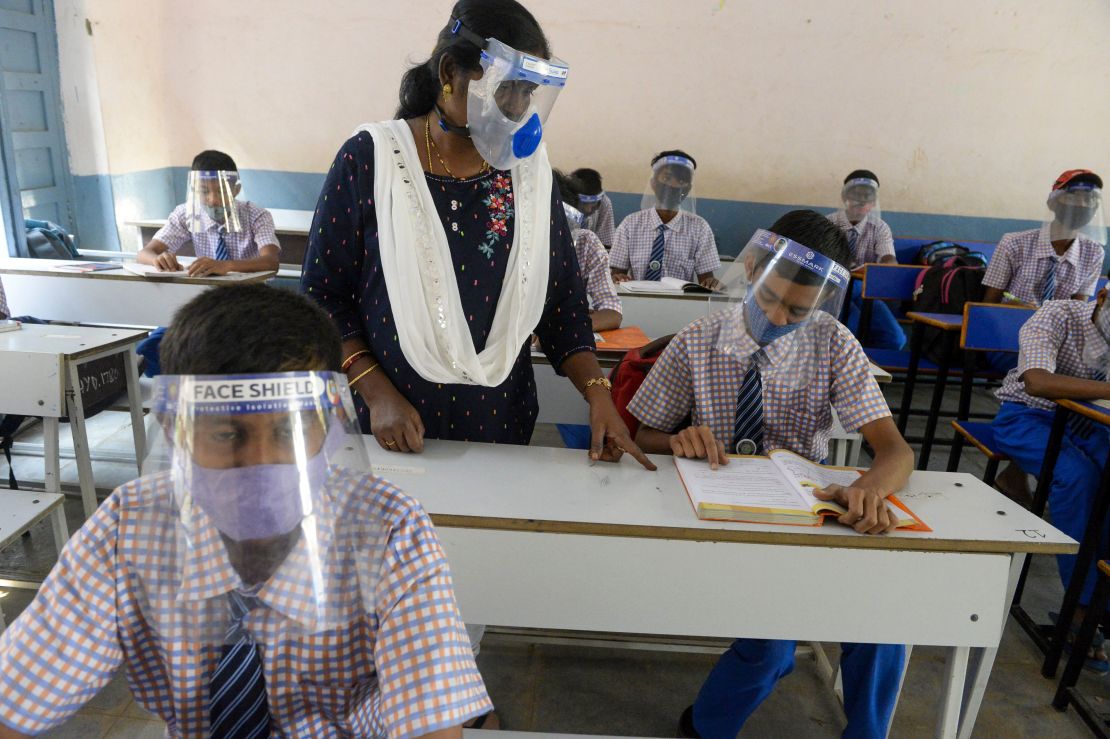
[260, 501]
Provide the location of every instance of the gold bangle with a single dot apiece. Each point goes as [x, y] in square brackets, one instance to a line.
[362, 374]
[604, 382]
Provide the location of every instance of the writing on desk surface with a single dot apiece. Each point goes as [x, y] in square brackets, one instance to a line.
[95, 381]
[1031, 533]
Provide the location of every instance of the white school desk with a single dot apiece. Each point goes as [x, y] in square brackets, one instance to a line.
[290, 226]
[35, 288]
[40, 364]
[549, 541]
[20, 511]
[659, 314]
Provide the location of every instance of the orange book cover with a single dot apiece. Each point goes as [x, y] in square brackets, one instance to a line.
[622, 339]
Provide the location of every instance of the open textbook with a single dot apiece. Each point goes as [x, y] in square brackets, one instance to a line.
[148, 270]
[666, 285]
[774, 489]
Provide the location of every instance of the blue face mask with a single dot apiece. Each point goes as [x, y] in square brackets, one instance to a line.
[760, 328]
[216, 212]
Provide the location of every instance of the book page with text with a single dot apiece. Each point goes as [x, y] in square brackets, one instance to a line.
[752, 482]
[806, 475]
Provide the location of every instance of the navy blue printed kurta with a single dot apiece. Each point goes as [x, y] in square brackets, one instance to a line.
[343, 274]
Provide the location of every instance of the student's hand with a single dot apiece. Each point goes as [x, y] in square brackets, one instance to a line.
[167, 262]
[619, 277]
[711, 282]
[867, 509]
[698, 442]
[609, 437]
[205, 266]
[396, 424]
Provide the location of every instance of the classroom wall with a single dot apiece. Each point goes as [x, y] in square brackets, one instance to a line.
[967, 111]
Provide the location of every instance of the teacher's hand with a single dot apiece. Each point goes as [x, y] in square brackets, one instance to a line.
[609, 437]
[396, 424]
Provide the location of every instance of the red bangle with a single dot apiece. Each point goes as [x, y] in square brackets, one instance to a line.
[351, 359]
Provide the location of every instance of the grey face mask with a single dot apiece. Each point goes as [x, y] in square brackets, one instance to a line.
[216, 212]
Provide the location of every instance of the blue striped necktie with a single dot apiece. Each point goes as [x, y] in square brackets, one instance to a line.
[1049, 289]
[853, 239]
[237, 704]
[221, 247]
[655, 264]
[748, 426]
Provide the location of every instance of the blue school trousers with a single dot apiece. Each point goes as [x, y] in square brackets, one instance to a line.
[886, 332]
[748, 671]
[1022, 433]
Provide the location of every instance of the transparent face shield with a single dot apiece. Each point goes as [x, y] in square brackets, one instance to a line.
[671, 186]
[859, 200]
[575, 217]
[506, 109]
[1076, 211]
[776, 293]
[590, 204]
[211, 198]
[258, 475]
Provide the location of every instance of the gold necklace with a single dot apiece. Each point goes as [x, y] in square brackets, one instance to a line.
[430, 144]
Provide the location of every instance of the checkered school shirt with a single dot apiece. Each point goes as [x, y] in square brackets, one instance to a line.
[1052, 339]
[689, 249]
[693, 378]
[875, 239]
[601, 221]
[593, 263]
[1020, 263]
[257, 224]
[403, 668]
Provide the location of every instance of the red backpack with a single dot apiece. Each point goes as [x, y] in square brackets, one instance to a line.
[629, 374]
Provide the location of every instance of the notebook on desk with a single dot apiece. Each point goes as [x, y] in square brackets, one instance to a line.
[665, 286]
[88, 266]
[776, 489]
[621, 339]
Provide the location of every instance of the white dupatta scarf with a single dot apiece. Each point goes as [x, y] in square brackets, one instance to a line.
[420, 277]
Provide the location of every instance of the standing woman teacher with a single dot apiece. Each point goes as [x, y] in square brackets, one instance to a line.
[439, 246]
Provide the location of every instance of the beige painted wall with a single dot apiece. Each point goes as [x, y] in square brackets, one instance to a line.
[963, 108]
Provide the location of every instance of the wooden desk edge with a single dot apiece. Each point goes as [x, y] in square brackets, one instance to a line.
[955, 546]
[1098, 414]
[935, 323]
[39, 517]
[123, 274]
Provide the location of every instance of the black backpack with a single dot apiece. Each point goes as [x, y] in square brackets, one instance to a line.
[46, 240]
[944, 288]
[938, 251]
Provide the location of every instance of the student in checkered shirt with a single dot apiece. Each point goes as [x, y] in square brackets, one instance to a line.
[595, 204]
[763, 375]
[256, 581]
[228, 235]
[1064, 353]
[666, 238]
[593, 260]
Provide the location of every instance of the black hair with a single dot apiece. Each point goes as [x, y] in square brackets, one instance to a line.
[857, 174]
[570, 187]
[211, 160]
[674, 153]
[814, 231]
[590, 179]
[505, 20]
[239, 329]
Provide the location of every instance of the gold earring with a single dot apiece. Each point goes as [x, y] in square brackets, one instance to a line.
[447, 90]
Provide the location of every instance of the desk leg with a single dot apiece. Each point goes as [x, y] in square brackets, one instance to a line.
[61, 530]
[52, 474]
[916, 338]
[76, 410]
[1089, 549]
[135, 401]
[982, 660]
[948, 722]
[938, 398]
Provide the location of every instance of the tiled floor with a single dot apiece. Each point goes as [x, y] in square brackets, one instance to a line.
[580, 689]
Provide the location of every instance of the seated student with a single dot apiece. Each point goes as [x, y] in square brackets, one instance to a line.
[595, 204]
[666, 238]
[1064, 353]
[227, 235]
[1060, 260]
[593, 260]
[869, 242]
[765, 375]
[256, 581]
